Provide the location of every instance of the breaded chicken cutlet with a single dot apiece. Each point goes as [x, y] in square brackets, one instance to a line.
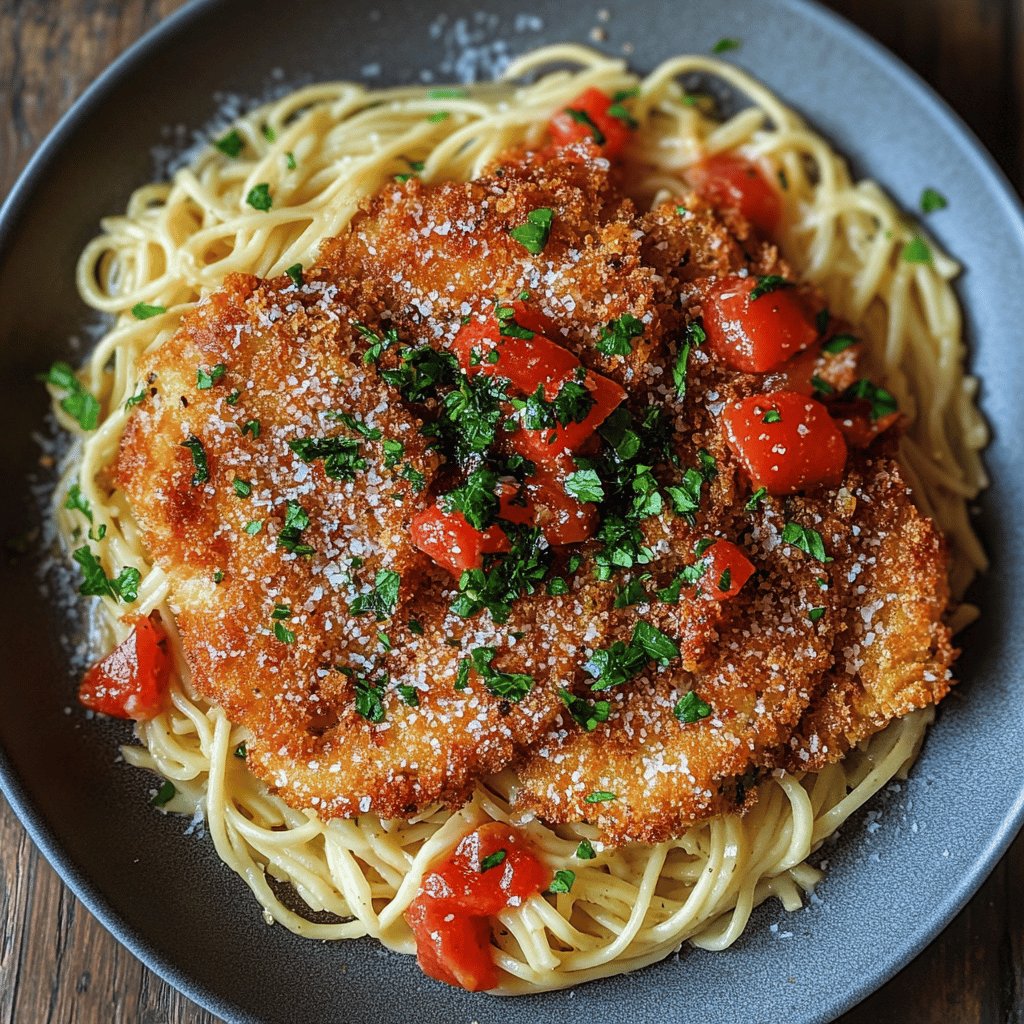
[315, 461]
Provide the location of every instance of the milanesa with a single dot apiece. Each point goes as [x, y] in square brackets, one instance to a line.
[306, 611]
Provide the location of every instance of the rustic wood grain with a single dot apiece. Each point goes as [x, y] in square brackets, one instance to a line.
[57, 964]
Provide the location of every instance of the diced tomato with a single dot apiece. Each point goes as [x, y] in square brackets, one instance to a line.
[451, 542]
[544, 445]
[130, 681]
[461, 882]
[785, 442]
[795, 375]
[452, 947]
[490, 869]
[731, 182]
[727, 569]
[854, 420]
[526, 362]
[563, 519]
[586, 119]
[756, 335]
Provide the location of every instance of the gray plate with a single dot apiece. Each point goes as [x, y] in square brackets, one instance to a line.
[889, 890]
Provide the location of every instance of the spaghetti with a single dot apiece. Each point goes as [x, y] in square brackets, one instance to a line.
[321, 151]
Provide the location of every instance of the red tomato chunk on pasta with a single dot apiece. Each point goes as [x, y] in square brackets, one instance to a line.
[730, 182]
[756, 335]
[728, 568]
[587, 119]
[130, 682]
[785, 442]
[490, 869]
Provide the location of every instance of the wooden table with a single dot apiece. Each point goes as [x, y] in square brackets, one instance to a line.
[56, 963]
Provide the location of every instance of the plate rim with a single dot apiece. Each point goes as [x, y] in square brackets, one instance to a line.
[74, 876]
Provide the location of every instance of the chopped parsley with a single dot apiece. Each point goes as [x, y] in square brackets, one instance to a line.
[582, 117]
[283, 633]
[353, 423]
[617, 335]
[586, 713]
[557, 586]
[623, 547]
[281, 611]
[241, 487]
[438, 116]
[259, 197]
[618, 111]
[686, 495]
[839, 343]
[695, 335]
[806, 539]
[917, 250]
[633, 592]
[296, 521]
[143, 310]
[295, 273]
[492, 860]
[290, 161]
[368, 700]
[230, 144]
[76, 500]
[218, 576]
[393, 452]
[619, 663]
[512, 686]
[253, 527]
[882, 402]
[932, 200]
[379, 343]
[562, 882]
[415, 477]
[767, 284]
[251, 427]
[754, 501]
[96, 583]
[136, 399]
[233, 398]
[268, 132]
[533, 235]
[446, 93]
[409, 694]
[79, 403]
[814, 614]
[822, 388]
[599, 796]
[584, 485]
[772, 416]
[504, 577]
[725, 44]
[340, 455]
[585, 851]
[201, 470]
[462, 674]
[164, 794]
[690, 708]
[205, 379]
[241, 751]
[382, 600]
[475, 499]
